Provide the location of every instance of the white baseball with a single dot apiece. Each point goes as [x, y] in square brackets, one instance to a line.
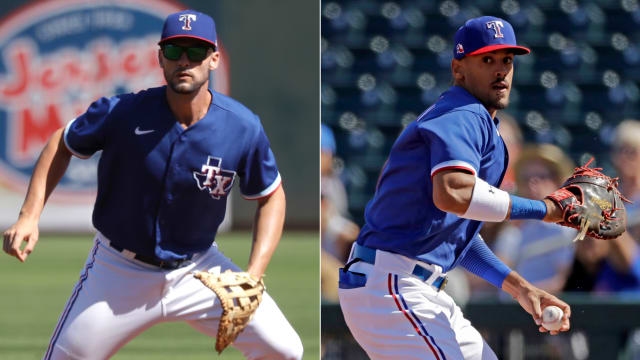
[552, 318]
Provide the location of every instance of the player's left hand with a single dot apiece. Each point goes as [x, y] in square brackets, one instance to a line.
[554, 212]
[533, 300]
[591, 202]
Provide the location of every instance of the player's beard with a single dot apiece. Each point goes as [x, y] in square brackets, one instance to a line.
[498, 103]
[495, 101]
[184, 87]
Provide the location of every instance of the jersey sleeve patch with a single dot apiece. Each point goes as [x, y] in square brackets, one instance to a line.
[453, 164]
[266, 192]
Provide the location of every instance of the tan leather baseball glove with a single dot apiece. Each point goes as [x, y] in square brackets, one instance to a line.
[239, 295]
[591, 202]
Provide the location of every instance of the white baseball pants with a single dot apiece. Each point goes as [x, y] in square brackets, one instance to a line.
[118, 298]
[397, 315]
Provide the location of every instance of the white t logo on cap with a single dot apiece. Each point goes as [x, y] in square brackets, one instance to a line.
[496, 25]
[187, 19]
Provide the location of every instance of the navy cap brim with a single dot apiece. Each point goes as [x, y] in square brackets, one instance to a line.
[518, 50]
[188, 37]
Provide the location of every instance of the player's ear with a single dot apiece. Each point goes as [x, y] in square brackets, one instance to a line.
[457, 69]
[214, 60]
[160, 57]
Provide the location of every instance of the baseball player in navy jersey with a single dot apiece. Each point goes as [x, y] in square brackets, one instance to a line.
[439, 185]
[170, 156]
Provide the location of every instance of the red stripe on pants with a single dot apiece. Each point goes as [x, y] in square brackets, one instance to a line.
[411, 320]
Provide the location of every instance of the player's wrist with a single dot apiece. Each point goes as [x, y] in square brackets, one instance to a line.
[28, 216]
[515, 285]
[255, 274]
[554, 212]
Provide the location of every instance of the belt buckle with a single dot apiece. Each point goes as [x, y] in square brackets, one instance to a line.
[172, 264]
[168, 265]
[443, 283]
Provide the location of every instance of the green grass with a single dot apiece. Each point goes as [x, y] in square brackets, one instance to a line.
[33, 294]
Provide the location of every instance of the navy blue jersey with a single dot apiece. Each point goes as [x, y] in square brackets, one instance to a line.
[455, 132]
[162, 189]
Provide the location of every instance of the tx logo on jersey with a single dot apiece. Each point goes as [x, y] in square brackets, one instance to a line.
[214, 179]
[496, 25]
[187, 19]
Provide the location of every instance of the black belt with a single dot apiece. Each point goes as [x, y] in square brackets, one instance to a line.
[163, 264]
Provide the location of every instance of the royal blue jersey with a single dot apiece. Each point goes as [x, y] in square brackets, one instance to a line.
[162, 189]
[456, 132]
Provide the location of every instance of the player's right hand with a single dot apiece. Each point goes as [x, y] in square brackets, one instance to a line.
[23, 231]
[533, 300]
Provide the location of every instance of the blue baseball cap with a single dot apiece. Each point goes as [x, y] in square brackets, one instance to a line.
[189, 24]
[485, 34]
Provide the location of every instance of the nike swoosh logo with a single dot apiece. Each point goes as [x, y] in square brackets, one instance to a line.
[142, 132]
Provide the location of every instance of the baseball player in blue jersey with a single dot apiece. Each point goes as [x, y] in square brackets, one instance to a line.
[439, 184]
[170, 156]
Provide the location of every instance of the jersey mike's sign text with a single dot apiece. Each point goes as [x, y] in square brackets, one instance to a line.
[55, 59]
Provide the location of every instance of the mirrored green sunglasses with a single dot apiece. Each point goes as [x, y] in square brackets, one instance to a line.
[194, 53]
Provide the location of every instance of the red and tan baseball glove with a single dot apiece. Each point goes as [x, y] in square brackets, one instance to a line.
[591, 202]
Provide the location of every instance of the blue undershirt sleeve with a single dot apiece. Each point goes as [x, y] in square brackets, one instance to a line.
[522, 208]
[481, 261]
